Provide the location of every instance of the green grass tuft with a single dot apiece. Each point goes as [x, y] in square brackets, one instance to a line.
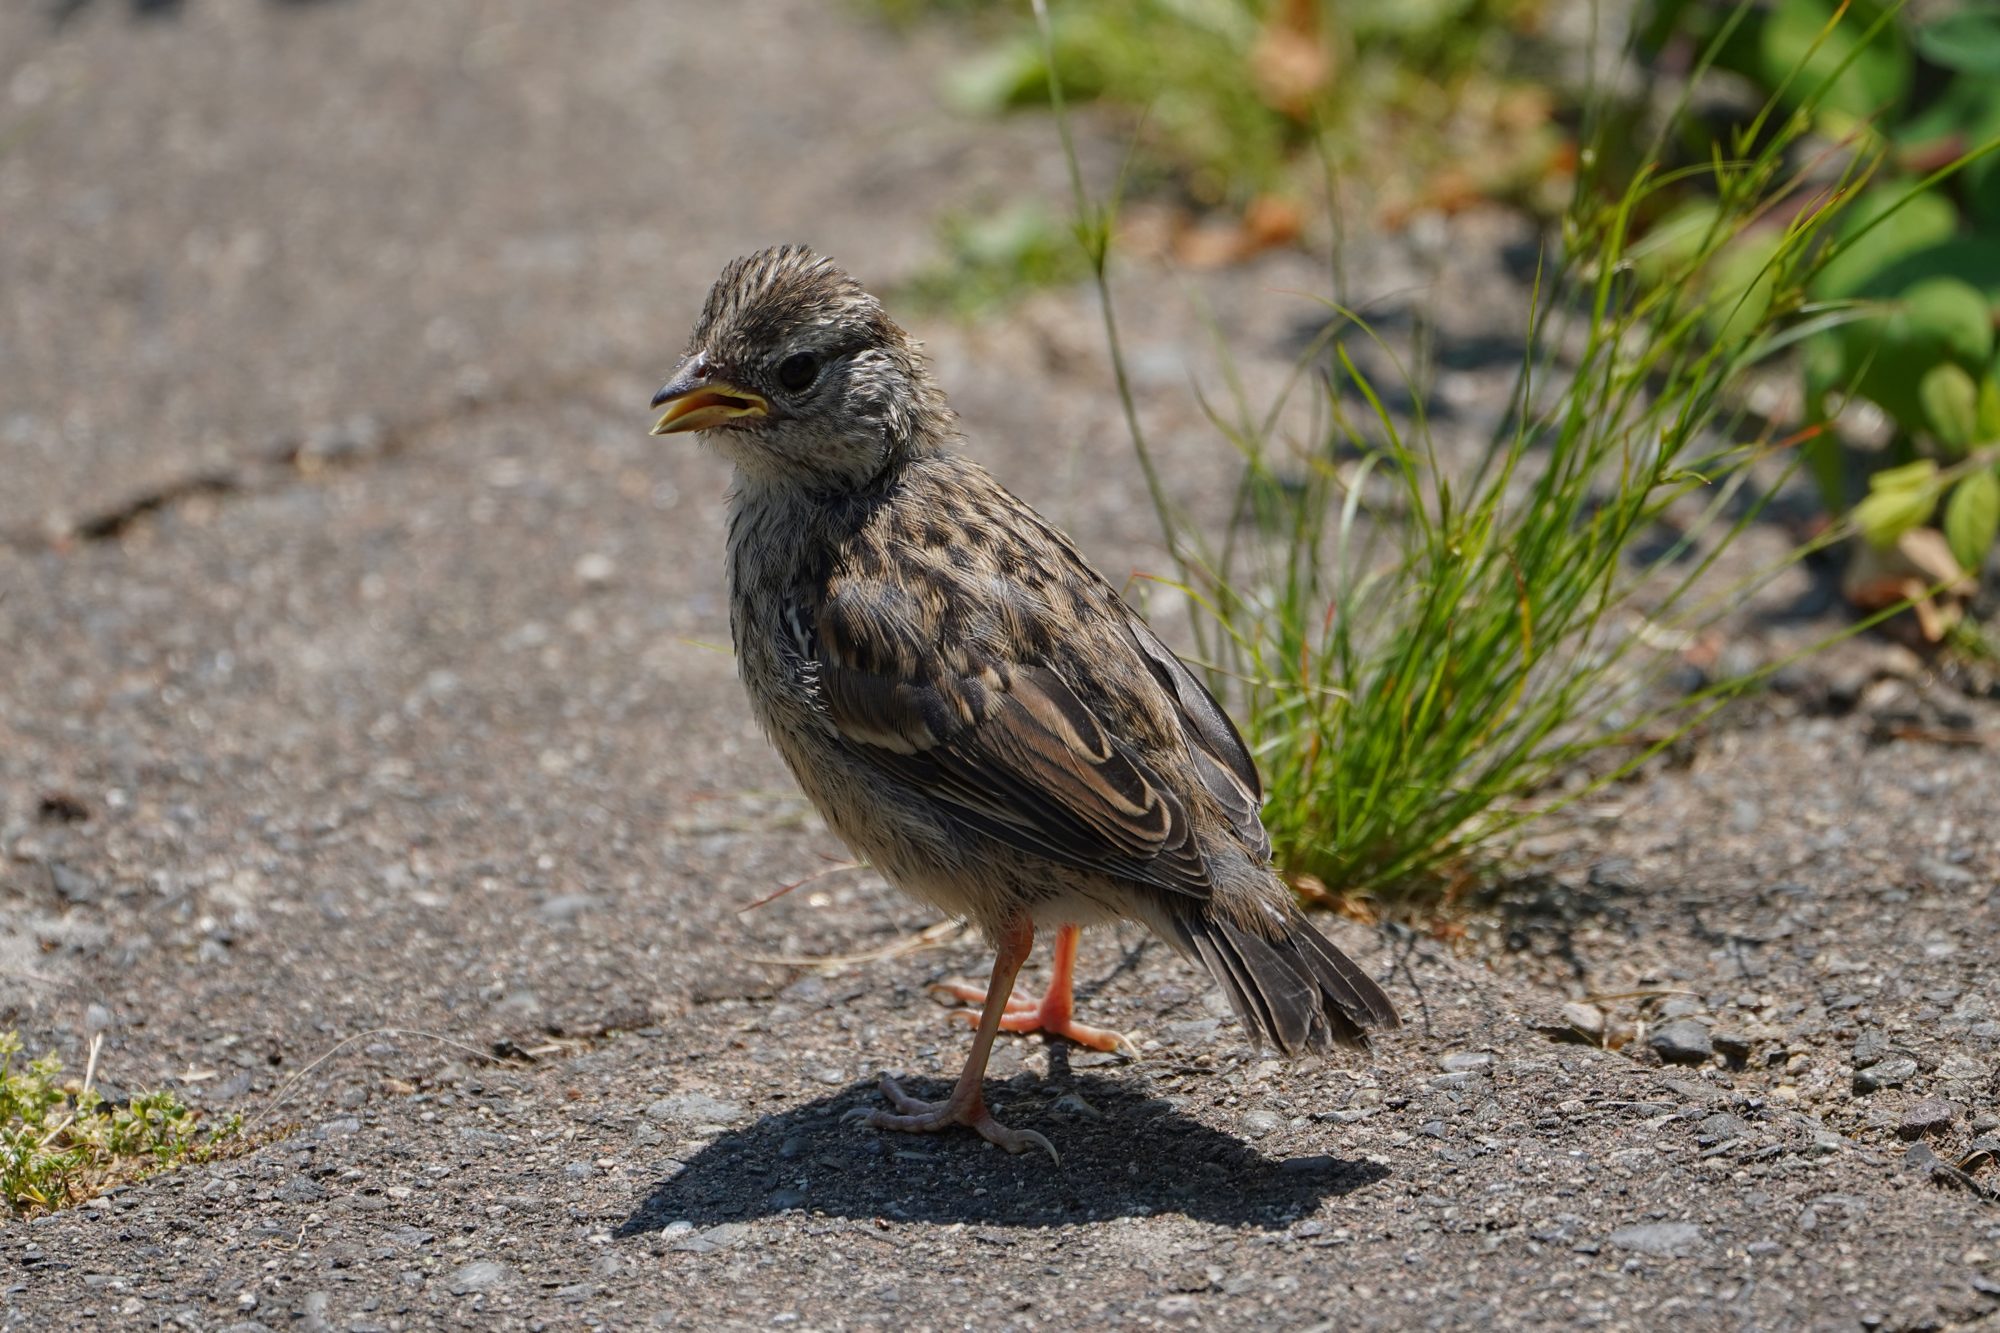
[990, 259]
[61, 1142]
[1429, 652]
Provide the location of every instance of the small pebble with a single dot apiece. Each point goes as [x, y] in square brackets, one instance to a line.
[1720, 1128]
[1929, 1116]
[596, 570]
[1318, 1164]
[715, 1238]
[1734, 1044]
[1617, 875]
[1658, 1238]
[1256, 1124]
[483, 1275]
[1587, 1019]
[1682, 1042]
[1870, 1048]
[1466, 1062]
[1890, 1073]
[566, 907]
[694, 1108]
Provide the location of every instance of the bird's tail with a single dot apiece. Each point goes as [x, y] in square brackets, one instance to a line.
[1289, 985]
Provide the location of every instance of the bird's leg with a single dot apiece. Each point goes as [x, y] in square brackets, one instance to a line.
[967, 1103]
[1055, 1012]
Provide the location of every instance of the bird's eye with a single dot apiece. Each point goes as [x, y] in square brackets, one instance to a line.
[798, 370]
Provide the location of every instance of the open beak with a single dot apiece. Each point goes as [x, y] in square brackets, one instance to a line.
[699, 402]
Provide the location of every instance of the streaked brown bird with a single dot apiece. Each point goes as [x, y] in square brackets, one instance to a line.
[969, 705]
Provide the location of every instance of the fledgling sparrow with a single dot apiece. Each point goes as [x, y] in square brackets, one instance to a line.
[969, 705]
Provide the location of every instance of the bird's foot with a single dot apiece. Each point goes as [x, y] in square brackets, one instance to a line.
[1044, 1016]
[913, 1115]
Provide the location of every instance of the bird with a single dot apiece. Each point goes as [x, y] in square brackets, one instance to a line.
[969, 705]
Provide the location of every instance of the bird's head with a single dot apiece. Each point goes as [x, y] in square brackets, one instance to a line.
[799, 376]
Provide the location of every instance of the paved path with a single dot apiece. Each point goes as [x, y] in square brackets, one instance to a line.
[342, 588]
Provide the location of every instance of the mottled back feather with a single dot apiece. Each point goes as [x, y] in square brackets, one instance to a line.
[1013, 687]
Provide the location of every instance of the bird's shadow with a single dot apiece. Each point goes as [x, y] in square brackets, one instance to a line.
[1125, 1153]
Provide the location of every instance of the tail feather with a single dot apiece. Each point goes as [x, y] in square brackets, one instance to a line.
[1296, 991]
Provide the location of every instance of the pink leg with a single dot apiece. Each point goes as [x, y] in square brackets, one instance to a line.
[1055, 1013]
[967, 1103]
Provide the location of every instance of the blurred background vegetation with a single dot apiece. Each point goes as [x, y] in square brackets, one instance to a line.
[1241, 112]
[1772, 267]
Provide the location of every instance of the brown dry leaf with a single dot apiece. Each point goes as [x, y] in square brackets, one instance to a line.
[1523, 108]
[1449, 190]
[1148, 230]
[1269, 222]
[1919, 562]
[1290, 64]
[1705, 650]
[1209, 245]
[1310, 887]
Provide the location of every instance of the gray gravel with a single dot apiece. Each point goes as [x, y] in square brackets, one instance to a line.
[366, 766]
[1682, 1042]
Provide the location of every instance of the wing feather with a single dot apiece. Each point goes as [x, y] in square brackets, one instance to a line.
[1004, 749]
[1221, 758]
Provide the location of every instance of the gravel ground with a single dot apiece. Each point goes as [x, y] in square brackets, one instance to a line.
[345, 598]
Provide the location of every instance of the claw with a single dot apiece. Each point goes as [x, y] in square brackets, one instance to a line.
[913, 1115]
[1040, 1142]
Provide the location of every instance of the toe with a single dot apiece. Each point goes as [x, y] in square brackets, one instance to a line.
[1097, 1039]
[902, 1101]
[963, 991]
[1014, 1140]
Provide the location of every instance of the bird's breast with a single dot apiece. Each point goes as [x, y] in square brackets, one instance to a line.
[770, 619]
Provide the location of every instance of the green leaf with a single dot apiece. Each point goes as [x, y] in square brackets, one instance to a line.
[1982, 192]
[1003, 75]
[1885, 358]
[1972, 518]
[1861, 251]
[1915, 476]
[1989, 405]
[1876, 77]
[1950, 397]
[1968, 42]
[1740, 283]
[1954, 316]
[1899, 500]
[1972, 260]
[1676, 242]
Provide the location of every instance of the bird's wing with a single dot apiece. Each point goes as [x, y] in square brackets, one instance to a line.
[1220, 757]
[1002, 748]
